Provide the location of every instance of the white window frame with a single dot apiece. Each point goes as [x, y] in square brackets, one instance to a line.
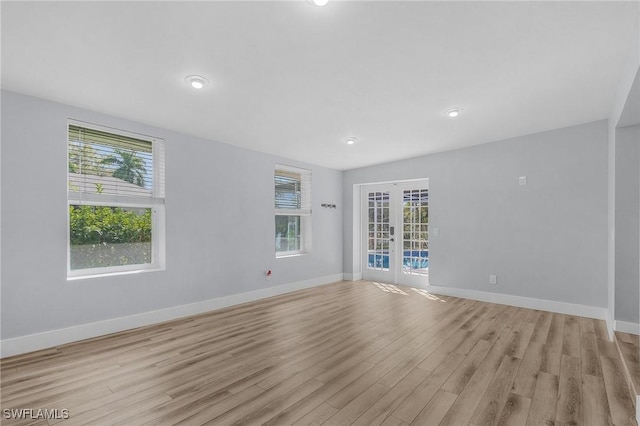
[155, 203]
[305, 212]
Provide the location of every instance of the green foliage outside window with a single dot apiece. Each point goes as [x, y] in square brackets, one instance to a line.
[104, 236]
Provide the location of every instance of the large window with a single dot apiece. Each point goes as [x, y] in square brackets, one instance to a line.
[293, 210]
[115, 201]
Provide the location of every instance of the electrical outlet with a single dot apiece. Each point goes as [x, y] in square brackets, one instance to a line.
[522, 180]
[493, 279]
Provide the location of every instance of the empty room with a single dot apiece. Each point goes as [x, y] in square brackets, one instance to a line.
[320, 212]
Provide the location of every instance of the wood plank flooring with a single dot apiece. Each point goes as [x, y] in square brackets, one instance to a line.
[341, 354]
[629, 351]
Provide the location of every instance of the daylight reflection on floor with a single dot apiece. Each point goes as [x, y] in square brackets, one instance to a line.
[389, 288]
[426, 294]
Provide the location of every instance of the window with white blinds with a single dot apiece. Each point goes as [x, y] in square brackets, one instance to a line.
[116, 185]
[292, 210]
[293, 191]
[117, 165]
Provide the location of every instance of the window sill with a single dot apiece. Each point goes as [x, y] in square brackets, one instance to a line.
[283, 256]
[112, 274]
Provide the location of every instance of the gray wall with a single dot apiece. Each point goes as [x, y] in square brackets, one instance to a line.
[627, 214]
[219, 225]
[545, 240]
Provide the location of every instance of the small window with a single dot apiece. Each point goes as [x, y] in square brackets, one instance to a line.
[293, 210]
[115, 201]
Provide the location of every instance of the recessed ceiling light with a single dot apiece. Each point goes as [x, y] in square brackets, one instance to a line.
[318, 2]
[196, 81]
[352, 141]
[454, 112]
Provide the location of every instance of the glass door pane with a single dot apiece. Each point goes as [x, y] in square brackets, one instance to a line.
[415, 231]
[378, 228]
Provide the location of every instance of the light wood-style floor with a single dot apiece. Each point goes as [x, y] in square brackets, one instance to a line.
[347, 353]
[629, 350]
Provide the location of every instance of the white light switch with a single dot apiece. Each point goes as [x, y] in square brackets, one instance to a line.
[436, 232]
[522, 180]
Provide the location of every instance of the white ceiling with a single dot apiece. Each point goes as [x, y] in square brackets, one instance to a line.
[296, 80]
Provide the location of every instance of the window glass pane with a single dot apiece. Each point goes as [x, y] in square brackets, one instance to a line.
[288, 190]
[287, 233]
[103, 236]
[105, 163]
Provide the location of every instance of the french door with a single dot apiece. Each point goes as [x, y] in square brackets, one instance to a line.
[395, 243]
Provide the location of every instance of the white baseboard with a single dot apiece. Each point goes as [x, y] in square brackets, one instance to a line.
[627, 327]
[48, 339]
[522, 302]
[353, 277]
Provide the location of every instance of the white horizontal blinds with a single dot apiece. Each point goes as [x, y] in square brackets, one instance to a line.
[102, 163]
[292, 191]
